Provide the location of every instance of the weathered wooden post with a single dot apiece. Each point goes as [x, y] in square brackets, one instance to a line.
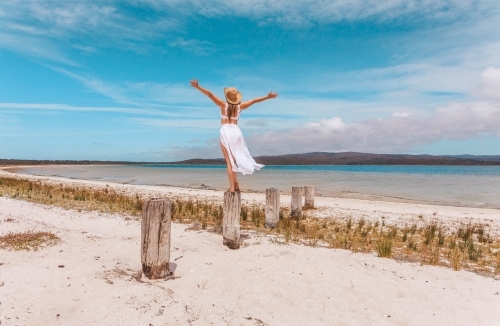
[272, 207]
[155, 237]
[231, 219]
[296, 210]
[309, 194]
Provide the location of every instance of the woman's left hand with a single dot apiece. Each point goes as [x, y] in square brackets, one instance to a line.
[194, 82]
[272, 95]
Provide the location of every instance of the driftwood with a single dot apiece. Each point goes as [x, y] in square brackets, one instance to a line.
[309, 194]
[296, 209]
[272, 208]
[155, 237]
[231, 219]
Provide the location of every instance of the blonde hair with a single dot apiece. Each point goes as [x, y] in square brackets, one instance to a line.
[231, 109]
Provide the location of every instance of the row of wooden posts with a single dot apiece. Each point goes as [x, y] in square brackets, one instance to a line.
[156, 225]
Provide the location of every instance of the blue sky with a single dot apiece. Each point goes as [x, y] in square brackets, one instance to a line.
[109, 80]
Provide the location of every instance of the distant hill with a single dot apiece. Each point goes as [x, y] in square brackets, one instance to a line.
[62, 162]
[354, 158]
[316, 158]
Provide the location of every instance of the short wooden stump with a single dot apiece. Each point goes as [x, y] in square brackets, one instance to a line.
[155, 237]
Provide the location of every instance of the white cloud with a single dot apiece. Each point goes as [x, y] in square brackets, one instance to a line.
[490, 84]
[394, 134]
[201, 48]
[64, 107]
[402, 114]
[401, 132]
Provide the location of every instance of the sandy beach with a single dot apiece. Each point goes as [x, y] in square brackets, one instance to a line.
[91, 276]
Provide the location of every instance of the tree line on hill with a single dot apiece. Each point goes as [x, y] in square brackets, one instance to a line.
[317, 158]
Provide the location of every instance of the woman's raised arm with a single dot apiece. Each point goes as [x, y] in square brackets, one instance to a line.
[215, 99]
[245, 105]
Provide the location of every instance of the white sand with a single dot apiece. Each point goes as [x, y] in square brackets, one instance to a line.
[263, 283]
[260, 284]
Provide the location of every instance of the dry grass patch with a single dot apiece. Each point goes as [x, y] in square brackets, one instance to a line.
[28, 240]
[79, 198]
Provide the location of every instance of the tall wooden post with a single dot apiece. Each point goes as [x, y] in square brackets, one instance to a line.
[296, 210]
[272, 207]
[231, 219]
[309, 194]
[155, 237]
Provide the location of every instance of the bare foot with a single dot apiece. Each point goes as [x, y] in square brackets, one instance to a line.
[236, 186]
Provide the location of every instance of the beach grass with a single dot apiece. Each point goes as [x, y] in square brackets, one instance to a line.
[466, 246]
[28, 240]
[80, 198]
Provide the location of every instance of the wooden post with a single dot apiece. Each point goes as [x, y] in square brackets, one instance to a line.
[272, 207]
[231, 219]
[155, 237]
[309, 194]
[296, 202]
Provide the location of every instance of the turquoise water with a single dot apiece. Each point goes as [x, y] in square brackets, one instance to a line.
[476, 186]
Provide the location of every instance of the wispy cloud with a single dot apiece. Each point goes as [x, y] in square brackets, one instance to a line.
[36, 28]
[65, 107]
[141, 94]
[305, 12]
[198, 124]
[111, 23]
[33, 46]
[201, 48]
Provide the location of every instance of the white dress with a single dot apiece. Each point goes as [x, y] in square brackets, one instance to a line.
[232, 139]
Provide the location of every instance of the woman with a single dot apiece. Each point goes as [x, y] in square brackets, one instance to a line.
[233, 145]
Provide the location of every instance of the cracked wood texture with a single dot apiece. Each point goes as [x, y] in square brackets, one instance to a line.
[155, 237]
[296, 209]
[309, 194]
[231, 219]
[272, 207]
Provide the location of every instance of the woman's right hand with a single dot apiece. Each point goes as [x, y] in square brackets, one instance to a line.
[194, 82]
[272, 94]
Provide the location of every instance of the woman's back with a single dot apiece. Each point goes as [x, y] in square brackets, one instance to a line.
[230, 113]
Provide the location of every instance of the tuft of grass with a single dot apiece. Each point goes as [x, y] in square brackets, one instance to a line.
[384, 247]
[28, 240]
[456, 258]
[430, 232]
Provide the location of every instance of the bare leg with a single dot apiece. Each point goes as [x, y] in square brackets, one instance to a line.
[230, 173]
[236, 184]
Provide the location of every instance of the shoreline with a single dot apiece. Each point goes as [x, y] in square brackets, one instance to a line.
[337, 195]
[391, 212]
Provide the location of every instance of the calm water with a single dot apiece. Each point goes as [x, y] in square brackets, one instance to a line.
[477, 186]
